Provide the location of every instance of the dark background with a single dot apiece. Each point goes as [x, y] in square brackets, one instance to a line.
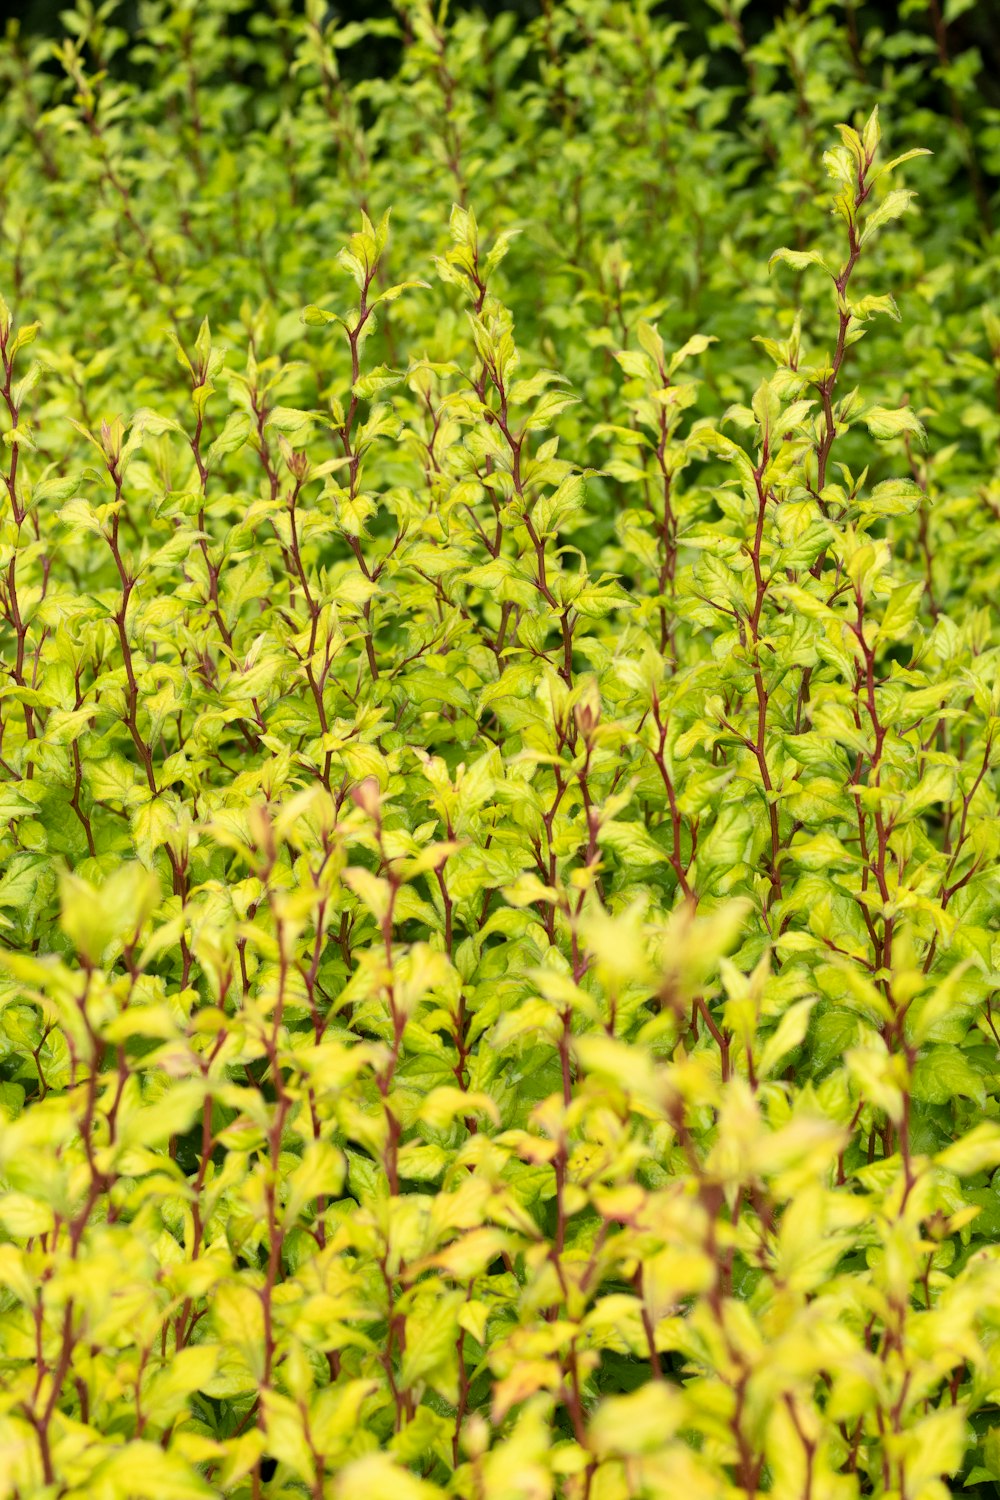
[979, 26]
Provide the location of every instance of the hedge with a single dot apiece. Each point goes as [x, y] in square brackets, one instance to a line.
[498, 738]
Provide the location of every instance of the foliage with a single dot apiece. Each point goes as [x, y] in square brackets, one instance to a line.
[498, 877]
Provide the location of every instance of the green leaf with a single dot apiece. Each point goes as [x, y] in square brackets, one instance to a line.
[885, 422]
[945, 1073]
[144, 1469]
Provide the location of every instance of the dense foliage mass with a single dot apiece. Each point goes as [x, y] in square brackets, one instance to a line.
[498, 732]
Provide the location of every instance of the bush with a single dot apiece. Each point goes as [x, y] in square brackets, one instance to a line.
[499, 860]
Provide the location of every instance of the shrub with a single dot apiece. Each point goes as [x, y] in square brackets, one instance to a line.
[499, 855]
